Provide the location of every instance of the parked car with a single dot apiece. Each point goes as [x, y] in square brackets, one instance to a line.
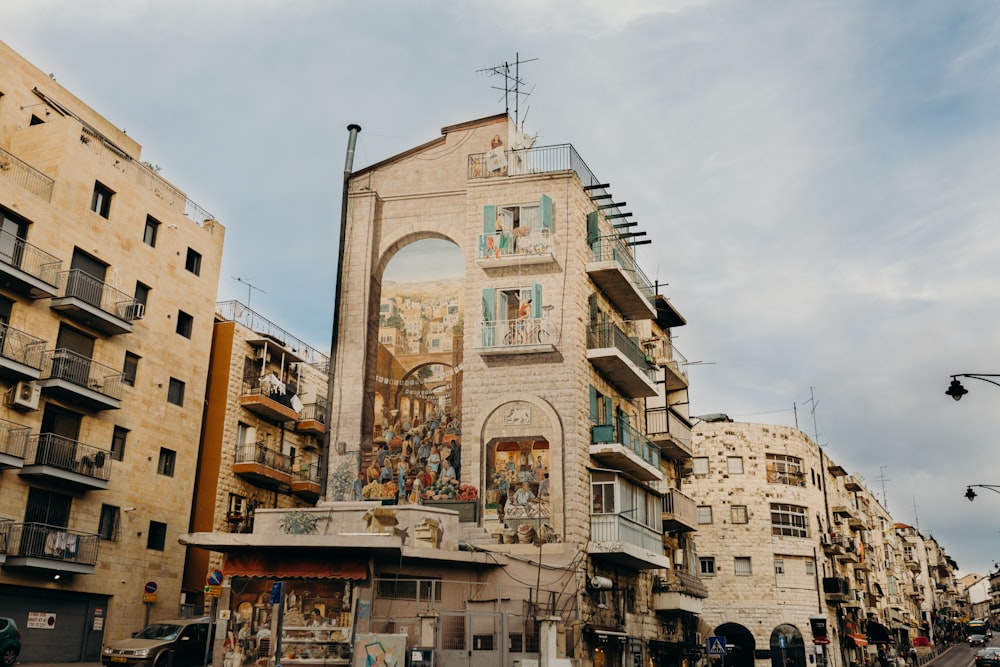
[977, 640]
[10, 641]
[988, 657]
[185, 638]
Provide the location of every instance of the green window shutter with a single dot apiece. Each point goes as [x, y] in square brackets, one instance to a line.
[607, 409]
[489, 219]
[545, 204]
[593, 405]
[489, 323]
[593, 233]
[536, 300]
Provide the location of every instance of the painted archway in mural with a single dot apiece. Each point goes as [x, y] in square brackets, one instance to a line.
[740, 645]
[787, 647]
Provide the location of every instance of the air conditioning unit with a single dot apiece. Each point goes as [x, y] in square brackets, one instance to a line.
[678, 557]
[827, 539]
[25, 395]
[133, 311]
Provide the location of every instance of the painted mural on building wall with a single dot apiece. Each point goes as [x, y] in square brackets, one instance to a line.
[416, 440]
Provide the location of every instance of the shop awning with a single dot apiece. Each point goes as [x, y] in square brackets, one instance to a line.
[288, 566]
[859, 640]
[878, 633]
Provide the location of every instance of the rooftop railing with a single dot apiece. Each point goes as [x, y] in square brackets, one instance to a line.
[234, 311]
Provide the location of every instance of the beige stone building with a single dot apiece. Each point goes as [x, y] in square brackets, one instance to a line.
[496, 328]
[108, 277]
[802, 562]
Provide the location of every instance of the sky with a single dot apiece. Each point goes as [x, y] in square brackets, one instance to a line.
[818, 178]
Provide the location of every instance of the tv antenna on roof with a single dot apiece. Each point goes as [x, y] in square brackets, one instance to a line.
[512, 83]
[250, 288]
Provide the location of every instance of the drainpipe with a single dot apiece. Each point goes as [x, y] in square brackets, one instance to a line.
[352, 138]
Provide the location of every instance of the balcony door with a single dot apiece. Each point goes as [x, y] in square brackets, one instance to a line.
[87, 287]
[44, 510]
[12, 234]
[57, 438]
[74, 352]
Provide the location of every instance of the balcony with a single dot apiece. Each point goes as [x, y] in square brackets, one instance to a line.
[312, 418]
[268, 398]
[13, 444]
[670, 431]
[619, 446]
[263, 466]
[81, 381]
[666, 356]
[68, 463]
[20, 354]
[619, 539]
[837, 589]
[851, 483]
[25, 176]
[528, 336]
[680, 512]
[43, 547]
[912, 563]
[614, 271]
[306, 482]
[620, 359]
[678, 591]
[95, 304]
[27, 270]
[517, 248]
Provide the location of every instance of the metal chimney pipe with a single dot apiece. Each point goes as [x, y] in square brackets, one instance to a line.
[353, 129]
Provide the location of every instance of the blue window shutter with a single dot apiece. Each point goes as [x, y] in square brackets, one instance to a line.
[607, 409]
[593, 405]
[536, 300]
[545, 204]
[489, 219]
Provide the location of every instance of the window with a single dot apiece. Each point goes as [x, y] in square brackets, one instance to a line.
[110, 527]
[600, 409]
[602, 497]
[811, 567]
[149, 235]
[118, 439]
[700, 464]
[514, 316]
[735, 465]
[706, 565]
[741, 566]
[100, 203]
[185, 323]
[779, 566]
[130, 368]
[175, 392]
[788, 520]
[407, 587]
[142, 293]
[165, 465]
[782, 469]
[193, 262]
[739, 514]
[156, 538]
[704, 514]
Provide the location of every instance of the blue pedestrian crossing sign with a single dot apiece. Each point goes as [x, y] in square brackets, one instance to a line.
[717, 645]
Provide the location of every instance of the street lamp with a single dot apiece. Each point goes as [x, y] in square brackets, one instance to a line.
[971, 495]
[957, 391]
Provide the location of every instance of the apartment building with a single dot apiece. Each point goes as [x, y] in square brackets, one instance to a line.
[108, 277]
[803, 564]
[263, 433]
[508, 427]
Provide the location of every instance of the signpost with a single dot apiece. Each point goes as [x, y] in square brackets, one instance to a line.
[149, 597]
[717, 647]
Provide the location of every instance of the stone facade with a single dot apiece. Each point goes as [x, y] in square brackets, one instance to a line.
[108, 277]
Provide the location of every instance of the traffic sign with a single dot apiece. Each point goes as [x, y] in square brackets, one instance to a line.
[213, 591]
[150, 587]
[717, 645]
[214, 578]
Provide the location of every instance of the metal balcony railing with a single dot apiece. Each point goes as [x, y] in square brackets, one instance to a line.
[81, 285]
[21, 347]
[663, 420]
[18, 253]
[623, 433]
[306, 472]
[608, 248]
[680, 506]
[515, 333]
[260, 453]
[515, 244]
[67, 365]
[537, 160]
[620, 528]
[234, 311]
[26, 176]
[611, 335]
[39, 540]
[66, 454]
[316, 411]
[14, 438]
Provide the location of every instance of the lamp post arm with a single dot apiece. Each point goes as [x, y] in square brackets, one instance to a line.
[979, 376]
[995, 488]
